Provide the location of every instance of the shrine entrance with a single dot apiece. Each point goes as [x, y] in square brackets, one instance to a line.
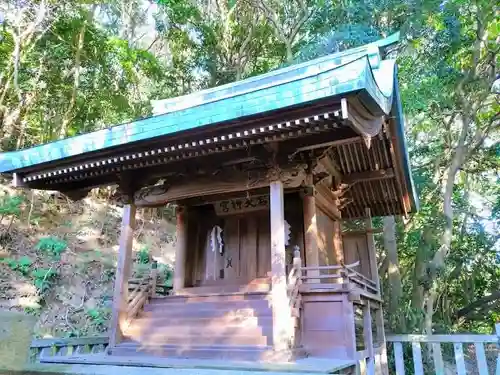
[230, 242]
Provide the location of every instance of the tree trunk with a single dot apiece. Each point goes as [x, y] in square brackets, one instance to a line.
[440, 255]
[394, 275]
[76, 82]
[289, 52]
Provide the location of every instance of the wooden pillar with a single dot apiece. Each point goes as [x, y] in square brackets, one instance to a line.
[280, 305]
[311, 250]
[123, 272]
[180, 249]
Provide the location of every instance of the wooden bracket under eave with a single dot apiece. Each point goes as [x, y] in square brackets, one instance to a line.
[17, 181]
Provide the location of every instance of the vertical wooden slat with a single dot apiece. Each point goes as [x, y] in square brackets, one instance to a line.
[417, 358]
[399, 358]
[482, 365]
[280, 304]
[123, 271]
[438, 359]
[459, 358]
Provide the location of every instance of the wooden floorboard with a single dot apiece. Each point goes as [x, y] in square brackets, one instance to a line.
[308, 365]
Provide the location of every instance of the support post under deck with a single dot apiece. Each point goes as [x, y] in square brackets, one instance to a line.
[123, 271]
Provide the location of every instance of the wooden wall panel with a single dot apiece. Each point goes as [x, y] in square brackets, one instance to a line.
[356, 250]
[264, 246]
[325, 238]
[327, 329]
[231, 257]
[248, 248]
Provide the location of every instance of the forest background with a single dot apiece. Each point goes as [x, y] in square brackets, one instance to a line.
[72, 67]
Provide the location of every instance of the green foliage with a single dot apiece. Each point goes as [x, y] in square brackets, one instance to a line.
[448, 58]
[22, 264]
[143, 255]
[166, 273]
[52, 246]
[44, 279]
[99, 316]
[32, 310]
[11, 205]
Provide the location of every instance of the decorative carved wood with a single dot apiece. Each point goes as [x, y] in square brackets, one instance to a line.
[291, 177]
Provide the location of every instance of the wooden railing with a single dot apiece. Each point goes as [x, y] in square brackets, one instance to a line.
[140, 290]
[457, 361]
[49, 350]
[294, 281]
[338, 274]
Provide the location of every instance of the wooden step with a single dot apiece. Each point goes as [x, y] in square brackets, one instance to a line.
[146, 328]
[213, 297]
[159, 337]
[260, 286]
[175, 306]
[234, 320]
[240, 353]
[205, 312]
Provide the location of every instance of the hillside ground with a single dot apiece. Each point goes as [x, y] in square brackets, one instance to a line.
[58, 257]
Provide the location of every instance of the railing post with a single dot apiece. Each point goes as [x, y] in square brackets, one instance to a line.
[154, 275]
[297, 263]
[497, 329]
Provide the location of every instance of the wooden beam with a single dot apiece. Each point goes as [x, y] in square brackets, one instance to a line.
[361, 232]
[327, 201]
[223, 183]
[17, 181]
[280, 305]
[369, 176]
[180, 249]
[123, 273]
[336, 142]
[331, 167]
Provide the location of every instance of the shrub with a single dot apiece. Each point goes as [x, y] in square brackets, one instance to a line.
[143, 255]
[43, 279]
[52, 246]
[22, 265]
[99, 316]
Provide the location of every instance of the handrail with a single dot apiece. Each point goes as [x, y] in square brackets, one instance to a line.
[145, 289]
[434, 342]
[341, 272]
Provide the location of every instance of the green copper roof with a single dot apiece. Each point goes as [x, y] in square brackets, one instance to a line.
[359, 69]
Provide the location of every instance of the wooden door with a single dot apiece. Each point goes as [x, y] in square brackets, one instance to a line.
[246, 250]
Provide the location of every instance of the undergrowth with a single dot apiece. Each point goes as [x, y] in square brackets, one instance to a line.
[58, 258]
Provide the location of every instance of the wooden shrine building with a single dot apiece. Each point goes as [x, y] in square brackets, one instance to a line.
[266, 173]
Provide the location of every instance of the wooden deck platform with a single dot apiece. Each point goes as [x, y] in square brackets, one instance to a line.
[309, 365]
